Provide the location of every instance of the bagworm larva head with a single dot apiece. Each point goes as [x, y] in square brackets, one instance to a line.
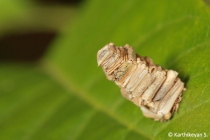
[105, 53]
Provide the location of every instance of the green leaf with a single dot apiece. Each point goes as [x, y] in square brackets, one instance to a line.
[68, 96]
[11, 12]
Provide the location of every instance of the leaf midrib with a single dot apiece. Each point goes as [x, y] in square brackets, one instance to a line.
[59, 77]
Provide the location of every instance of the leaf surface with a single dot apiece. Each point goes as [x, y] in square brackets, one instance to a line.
[68, 97]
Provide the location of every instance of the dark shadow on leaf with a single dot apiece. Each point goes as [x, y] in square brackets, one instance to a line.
[207, 2]
[180, 69]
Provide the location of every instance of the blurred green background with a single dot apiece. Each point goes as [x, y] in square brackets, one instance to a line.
[52, 89]
[28, 26]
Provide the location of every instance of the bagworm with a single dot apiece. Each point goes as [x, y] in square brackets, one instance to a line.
[155, 90]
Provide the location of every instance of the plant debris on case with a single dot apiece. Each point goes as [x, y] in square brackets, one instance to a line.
[155, 90]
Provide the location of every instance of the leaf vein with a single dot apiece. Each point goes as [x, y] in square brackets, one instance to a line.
[58, 76]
